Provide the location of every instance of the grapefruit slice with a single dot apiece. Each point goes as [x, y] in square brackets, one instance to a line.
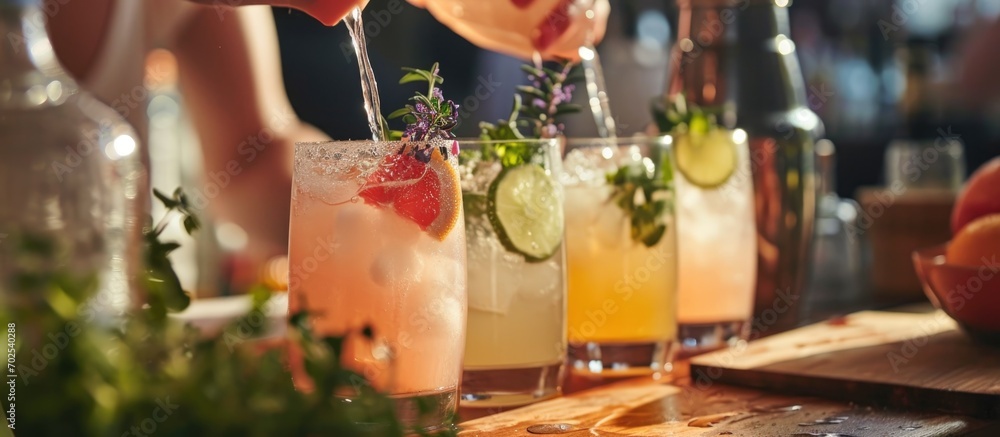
[428, 194]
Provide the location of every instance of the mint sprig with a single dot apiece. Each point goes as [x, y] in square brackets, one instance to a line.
[673, 114]
[163, 287]
[640, 193]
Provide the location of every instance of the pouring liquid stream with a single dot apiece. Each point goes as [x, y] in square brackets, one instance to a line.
[369, 88]
[599, 104]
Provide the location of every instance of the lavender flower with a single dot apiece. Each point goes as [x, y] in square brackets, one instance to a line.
[430, 116]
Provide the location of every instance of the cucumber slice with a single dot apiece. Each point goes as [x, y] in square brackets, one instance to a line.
[525, 209]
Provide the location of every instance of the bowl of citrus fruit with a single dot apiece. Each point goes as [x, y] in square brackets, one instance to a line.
[962, 277]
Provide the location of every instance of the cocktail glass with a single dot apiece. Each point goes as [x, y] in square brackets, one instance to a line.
[718, 253]
[621, 255]
[377, 256]
[516, 341]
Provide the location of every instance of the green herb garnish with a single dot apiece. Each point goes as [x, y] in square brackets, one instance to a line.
[641, 193]
[548, 97]
[78, 374]
[673, 114]
[430, 116]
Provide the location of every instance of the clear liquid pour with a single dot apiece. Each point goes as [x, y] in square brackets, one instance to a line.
[369, 89]
[600, 105]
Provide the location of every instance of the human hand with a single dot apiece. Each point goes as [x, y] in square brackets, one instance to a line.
[329, 12]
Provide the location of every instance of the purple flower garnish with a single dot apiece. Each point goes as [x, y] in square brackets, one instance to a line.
[562, 94]
[430, 116]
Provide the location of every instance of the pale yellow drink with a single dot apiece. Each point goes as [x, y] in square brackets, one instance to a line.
[516, 337]
[622, 292]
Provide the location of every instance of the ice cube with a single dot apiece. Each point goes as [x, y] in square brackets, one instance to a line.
[577, 168]
[540, 280]
[353, 226]
[396, 267]
[611, 225]
[398, 230]
[491, 283]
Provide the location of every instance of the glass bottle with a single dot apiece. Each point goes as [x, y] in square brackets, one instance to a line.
[736, 55]
[70, 173]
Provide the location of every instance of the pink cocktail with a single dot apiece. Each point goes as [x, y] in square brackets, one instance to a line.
[377, 241]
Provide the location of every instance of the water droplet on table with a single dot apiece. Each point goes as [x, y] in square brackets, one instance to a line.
[709, 421]
[778, 409]
[821, 434]
[826, 421]
[551, 428]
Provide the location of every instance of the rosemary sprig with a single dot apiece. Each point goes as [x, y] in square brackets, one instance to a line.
[548, 98]
[430, 116]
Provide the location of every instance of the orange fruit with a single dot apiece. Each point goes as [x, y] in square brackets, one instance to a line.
[980, 197]
[428, 194]
[977, 240]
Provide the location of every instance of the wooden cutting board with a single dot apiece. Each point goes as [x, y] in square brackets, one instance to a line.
[907, 360]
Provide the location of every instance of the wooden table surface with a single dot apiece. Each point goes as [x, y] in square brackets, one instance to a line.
[676, 406]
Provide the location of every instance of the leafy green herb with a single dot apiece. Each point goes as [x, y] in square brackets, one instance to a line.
[672, 114]
[642, 193]
[163, 287]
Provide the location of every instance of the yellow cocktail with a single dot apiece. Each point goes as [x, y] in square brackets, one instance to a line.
[621, 255]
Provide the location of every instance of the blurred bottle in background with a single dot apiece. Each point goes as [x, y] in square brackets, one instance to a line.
[740, 57]
[71, 177]
[926, 153]
[838, 280]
